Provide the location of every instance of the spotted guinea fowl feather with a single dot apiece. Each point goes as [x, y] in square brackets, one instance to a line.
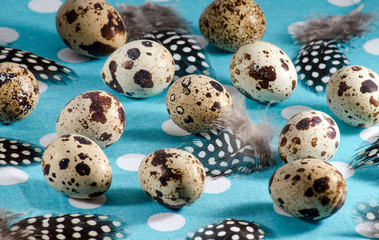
[366, 215]
[162, 24]
[15, 152]
[322, 42]
[368, 155]
[44, 69]
[57, 227]
[235, 145]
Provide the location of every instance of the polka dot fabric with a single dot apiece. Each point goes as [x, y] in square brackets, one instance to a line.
[29, 27]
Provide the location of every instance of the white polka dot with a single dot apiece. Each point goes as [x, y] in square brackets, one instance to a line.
[368, 133]
[42, 86]
[11, 175]
[165, 222]
[8, 35]
[372, 46]
[343, 3]
[171, 128]
[45, 140]
[280, 211]
[68, 55]
[88, 203]
[289, 112]
[218, 185]
[191, 69]
[367, 229]
[45, 6]
[130, 162]
[343, 168]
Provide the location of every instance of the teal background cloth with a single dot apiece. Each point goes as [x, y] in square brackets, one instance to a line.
[24, 189]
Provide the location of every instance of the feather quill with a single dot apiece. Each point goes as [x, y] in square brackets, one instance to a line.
[235, 145]
[368, 155]
[322, 41]
[162, 24]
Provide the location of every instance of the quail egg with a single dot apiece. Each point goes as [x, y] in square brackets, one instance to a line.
[139, 69]
[310, 189]
[76, 166]
[97, 115]
[263, 72]
[172, 177]
[19, 92]
[309, 134]
[353, 95]
[91, 28]
[230, 23]
[195, 101]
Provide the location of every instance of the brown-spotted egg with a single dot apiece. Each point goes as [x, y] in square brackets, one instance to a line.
[263, 72]
[76, 166]
[353, 95]
[172, 177]
[230, 23]
[195, 101]
[90, 27]
[139, 69]
[309, 134]
[97, 115]
[19, 92]
[310, 189]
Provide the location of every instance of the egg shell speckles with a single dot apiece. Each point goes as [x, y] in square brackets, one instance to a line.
[230, 23]
[19, 92]
[310, 189]
[77, 167]
[195, 101]
[97, 115]
[263, 72]
[90, 27]
[353, 95]
[139, 69]
[309, 134]
[172, 177]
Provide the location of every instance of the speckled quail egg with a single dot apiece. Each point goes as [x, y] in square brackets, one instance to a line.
[90, 27]
[139, 69]
[309, 134]
[353, 95]
[310, 189]
[230, 23]
[76, 166]
[172, 177]
[263, 72]
[195, 101]
[19, 92]
[97, 115]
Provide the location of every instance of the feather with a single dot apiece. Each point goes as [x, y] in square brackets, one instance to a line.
[54, 227]
[234, 145]
[367, 218]
[322, 40]
[229, 229]
[162, 24]
[368, 155]
[44, 69]
[19, 153]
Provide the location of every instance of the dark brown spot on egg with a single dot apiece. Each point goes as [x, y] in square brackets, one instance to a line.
[371, 75]
[284, 64]
[114, 27]
[189, 119]
[356, 68]
[294, 83]
[321, 185]
[114, 84]
[97, 49]
[83, 169]
[368, 86]
[287, 176]
[309, 192]
[217, 86]
[208, 95]
[325, 201]
[147, 43]
[309, 214]
[247, 56]
[343, 87]
[133, 53]
[99, 106]
[105, 136]
[63, 163]
[296, 141]
[167, 174]
[314, 142]
[127, 64]
[82, 140]
[295, 179]
[283, 142]
[331, 133]
[285, 129]
[95, 194]
[374, 101]
[46, 169]
[143, 78]
[216, 106]
[264, 75]
[71, 16]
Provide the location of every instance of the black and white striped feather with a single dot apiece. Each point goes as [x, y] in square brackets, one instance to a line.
[368, 155]
[58, 227]
[162, 24]
[43, 69]
[322, 41]
[235, 144]
[15, 152]
[366, 216]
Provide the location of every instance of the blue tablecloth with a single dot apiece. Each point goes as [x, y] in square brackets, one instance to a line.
[30, 25]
